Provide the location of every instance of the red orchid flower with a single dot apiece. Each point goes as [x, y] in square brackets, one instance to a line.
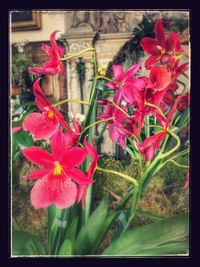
[152, 143]
[54, 65]
[119, 126]
[164, 51]
[127, 87]
[43, 125]
[159, 78]
[183, 103]
[72, 136]
[82, 189]
[56, 181]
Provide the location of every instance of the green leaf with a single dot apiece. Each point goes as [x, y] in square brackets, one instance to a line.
[89, 232]
[109, 221]
[23, 139]
[136, 242]
[66, 248]
[71, 232]
[23, 243]
[150, 215]
[172, 248]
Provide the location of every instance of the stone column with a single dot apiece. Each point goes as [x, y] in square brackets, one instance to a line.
[73, 87]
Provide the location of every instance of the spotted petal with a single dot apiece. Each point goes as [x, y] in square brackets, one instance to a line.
[47, 191]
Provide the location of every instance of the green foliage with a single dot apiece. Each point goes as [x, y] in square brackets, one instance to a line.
[90, 231]
[160, 238]
[20, 75]
[66, 248]
[23, 243]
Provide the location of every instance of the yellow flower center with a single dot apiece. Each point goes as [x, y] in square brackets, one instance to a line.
[57, 169]
[162, 51]
[51, 114]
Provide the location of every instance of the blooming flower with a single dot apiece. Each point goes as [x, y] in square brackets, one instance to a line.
[72, 136]
[43, 125]
[119, 126]
[54, 65]
[162, 50]
[82, 188]
[127, 87]
[152, 143]
[159, 78]
[56, 181]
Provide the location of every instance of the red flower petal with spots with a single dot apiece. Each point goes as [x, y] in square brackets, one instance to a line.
[159, 78]
[56, 181]
[43, 125]
[61, 192]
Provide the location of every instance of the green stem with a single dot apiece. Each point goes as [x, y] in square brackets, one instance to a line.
[171, 160]
[116, 106]
[101, 133]
[147, 127]
[95, 123]
[106, 78]
[157, 107]
[184, 74]
[183, 84]
[126, 177]
[177, 164]
[164, 155]
[79, 53]
[70, 100]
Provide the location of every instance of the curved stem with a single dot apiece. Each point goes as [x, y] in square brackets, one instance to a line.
[70, 100]
[106, 78]
[79, 53]
[95, 123]
[184, 74]
[176, 163]
[118, 107]
[183, 84]
[126, 177]
[157, 107]
[164, 155]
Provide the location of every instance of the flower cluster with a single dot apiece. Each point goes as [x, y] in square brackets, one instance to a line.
[156, 96]
[60, 181]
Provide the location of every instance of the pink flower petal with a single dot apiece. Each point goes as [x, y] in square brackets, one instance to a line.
[58, 145]
[17, 129]
[73, 157]
[38, 156]
[160, 78]
[71, 138]
[40, 126]
[113, 133]
[42, 101]
[78, 176]
[51, 190]
[49, 50]
[159, 33]
[150, 62]
[38, 174]
[149, 45]
[37, 70]
[173, 42]
[132, 71]
[118, 72]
